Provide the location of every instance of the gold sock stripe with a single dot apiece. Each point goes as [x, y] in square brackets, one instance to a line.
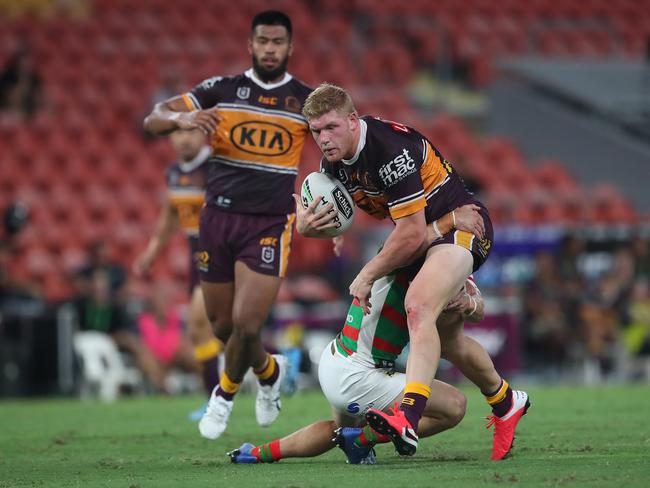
[268, 370]
[207, 350]
[499, 395]
[228, 385]
[419, 388]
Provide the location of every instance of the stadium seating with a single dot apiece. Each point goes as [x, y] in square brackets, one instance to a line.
[86, 171]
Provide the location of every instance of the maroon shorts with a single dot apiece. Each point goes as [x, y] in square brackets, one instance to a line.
[480, 249]
[262, 242]
[194, 263]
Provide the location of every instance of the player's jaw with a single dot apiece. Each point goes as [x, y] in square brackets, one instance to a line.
[269, 68]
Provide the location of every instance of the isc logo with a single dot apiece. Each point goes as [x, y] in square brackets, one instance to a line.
[261, 138]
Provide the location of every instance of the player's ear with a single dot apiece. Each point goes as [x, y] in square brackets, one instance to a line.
[353, 121]
[250, 44]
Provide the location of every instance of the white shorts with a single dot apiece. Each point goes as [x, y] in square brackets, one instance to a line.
[353, 388]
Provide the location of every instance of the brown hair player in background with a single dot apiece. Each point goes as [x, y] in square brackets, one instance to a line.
[186, 181]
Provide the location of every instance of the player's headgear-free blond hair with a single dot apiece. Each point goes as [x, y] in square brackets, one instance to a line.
[325, 98]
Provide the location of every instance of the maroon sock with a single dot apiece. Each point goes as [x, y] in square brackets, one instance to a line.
[270, 373]
[501, 407]
[413, 405]
[210, 374]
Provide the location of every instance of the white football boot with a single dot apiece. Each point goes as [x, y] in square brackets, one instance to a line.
[267, 405]
[215, 419]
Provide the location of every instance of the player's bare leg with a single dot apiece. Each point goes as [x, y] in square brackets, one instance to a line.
[253, 297]
[443, 410]
[310, 441]
[443, 273]
[466, 354]
[206, 346]
[255, 294]
[218, 299]
[508, 406]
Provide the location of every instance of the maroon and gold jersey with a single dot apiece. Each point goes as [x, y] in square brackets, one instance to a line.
[257, 146]
[186, 182]
[396, 172]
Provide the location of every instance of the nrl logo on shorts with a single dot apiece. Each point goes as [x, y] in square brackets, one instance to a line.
[268, 254]
[243, 92]
[203, 261]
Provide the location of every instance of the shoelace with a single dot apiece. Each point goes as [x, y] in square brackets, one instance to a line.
[394, 409]
[492, 419]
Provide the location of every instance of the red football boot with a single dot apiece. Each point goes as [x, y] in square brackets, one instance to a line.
[504, 427]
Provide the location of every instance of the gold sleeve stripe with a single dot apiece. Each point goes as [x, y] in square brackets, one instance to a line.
[188, 102]
[408, 208]
[285, 244]
[432, 171]
[463, 239]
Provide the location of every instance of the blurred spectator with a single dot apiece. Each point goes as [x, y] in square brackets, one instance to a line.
[161, 329]
[547, 331]
[604, 311]
[641, 251]
[99, 259]
[20, 84]
[9, 288]
[98, 311]
[637, 333]
[571, 280]
[15, 218]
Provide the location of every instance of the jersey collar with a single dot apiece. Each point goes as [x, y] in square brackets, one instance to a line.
[250, 73]
[363, 129]
[198, 160]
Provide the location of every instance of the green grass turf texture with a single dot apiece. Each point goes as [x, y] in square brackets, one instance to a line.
[570, 437]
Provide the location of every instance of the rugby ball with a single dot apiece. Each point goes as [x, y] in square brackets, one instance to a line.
[332, 191]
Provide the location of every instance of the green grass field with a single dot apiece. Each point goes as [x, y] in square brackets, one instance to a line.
[570, 437]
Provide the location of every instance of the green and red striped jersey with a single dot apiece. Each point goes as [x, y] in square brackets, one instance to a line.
[379, 337]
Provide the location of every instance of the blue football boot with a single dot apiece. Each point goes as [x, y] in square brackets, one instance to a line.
[344, 438]
[243, 454]
[196, 415]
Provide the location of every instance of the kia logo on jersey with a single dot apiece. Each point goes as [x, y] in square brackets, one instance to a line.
[261, 138]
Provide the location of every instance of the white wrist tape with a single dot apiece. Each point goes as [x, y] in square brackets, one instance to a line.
[436, 231]
[472, 299]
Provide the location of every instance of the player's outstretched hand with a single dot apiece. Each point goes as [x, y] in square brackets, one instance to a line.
[469, 219]
[206, 121]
